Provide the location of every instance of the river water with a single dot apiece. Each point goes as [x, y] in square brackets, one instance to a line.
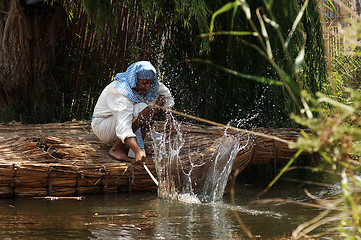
[145, 216]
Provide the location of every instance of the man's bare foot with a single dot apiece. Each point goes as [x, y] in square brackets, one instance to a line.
[117, 151]
[119, 155]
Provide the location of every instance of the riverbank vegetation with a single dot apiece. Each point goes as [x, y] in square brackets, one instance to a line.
[333, 114]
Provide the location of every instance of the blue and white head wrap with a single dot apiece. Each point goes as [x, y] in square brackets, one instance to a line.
[128, 80]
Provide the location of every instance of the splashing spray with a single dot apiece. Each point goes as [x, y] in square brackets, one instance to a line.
[188, 177]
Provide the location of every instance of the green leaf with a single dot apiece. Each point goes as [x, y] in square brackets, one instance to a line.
[270, 3]
[246, 9]
[299, 59]
[324, 99]
[232, 33]
[304, 134]
[270, 21]
[296, 22]
[333, 9]
[227, 7]
[282, 171]
[235, 9]
[307, 109]
[246, 76]
[264, 34]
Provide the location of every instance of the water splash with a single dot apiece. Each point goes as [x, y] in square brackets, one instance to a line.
[186, 175]
[218, 173]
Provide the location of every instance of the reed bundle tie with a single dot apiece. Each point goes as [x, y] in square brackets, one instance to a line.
[13, 183]
[49, 188]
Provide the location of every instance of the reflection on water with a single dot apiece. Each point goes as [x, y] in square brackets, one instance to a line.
[145, 216]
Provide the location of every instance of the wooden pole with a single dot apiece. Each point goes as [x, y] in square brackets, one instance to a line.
[150, 174]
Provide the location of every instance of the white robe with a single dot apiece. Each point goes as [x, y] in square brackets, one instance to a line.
[114, 113]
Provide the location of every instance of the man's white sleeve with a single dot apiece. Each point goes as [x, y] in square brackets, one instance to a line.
[165, 92]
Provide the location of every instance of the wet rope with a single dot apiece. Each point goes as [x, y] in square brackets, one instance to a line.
[77, 184]
[253, 145]
[13, 182]
[49, 186]
[131, 177]
[105, 175]
[275, 152]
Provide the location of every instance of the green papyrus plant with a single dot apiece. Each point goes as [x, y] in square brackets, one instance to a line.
[334, 121]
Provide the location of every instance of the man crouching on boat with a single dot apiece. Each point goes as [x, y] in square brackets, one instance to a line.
[122, 114]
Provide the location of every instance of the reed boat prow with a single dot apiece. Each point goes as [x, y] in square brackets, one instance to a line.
[67, 159]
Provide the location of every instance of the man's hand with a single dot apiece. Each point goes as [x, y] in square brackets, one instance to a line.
[139, 154]
[140, 157]
[160, 100]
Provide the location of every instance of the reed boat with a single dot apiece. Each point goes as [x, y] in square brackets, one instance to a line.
[67, 159]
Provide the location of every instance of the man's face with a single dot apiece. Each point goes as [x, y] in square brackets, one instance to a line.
[143, 85]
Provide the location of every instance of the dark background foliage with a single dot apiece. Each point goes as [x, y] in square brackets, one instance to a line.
[104, 37]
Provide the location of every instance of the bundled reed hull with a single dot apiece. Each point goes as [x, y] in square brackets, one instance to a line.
[62, 159]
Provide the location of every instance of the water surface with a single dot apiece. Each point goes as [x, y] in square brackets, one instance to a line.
[145, 216]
